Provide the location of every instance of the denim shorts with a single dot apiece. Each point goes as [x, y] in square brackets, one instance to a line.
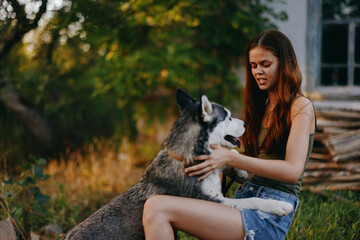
[259, 225]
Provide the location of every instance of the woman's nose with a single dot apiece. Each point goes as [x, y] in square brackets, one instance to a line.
[259, 70]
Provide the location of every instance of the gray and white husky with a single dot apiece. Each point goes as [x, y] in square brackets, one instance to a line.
[200, 125]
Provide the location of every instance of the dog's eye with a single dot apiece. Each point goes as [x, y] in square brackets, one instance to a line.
[230, 118]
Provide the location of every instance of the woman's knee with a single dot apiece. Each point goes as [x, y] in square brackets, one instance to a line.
[154, 209]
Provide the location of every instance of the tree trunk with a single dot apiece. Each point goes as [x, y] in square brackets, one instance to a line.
[30, 117]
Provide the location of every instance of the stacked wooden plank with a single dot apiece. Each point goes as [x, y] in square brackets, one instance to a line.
[335, 161]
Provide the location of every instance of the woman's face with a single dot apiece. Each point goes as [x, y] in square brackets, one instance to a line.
[264, 67]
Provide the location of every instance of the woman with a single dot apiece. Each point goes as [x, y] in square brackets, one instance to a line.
[277, 142]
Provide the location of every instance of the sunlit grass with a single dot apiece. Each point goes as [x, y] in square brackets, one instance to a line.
[93, 175]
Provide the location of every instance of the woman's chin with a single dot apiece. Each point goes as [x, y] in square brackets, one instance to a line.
[263, 87]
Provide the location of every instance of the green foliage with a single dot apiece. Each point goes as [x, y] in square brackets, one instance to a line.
[61, 212]
[22, 199]
[23, 202]
[96, 67]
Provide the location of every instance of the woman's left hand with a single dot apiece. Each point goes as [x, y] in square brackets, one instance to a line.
[218, 158]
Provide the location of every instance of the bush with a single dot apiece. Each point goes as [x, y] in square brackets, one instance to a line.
[27, 207]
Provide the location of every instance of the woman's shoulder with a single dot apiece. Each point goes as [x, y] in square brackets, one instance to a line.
[301, 104]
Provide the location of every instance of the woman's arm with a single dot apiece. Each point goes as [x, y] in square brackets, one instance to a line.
[288, 170]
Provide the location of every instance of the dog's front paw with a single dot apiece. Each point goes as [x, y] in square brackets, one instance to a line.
[279, 208]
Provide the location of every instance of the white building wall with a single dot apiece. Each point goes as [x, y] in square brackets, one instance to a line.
[296, 29]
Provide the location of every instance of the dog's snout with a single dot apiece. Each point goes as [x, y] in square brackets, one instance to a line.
[244, 124]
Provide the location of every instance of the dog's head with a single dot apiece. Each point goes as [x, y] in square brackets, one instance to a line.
[216, 126]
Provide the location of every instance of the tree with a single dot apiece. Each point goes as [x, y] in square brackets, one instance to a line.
[14, 26]
[96, 67]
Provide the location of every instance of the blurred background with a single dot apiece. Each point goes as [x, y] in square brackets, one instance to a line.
[87, 94]
[75, 71]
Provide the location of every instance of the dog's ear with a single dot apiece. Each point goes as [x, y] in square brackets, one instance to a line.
[206, 109]
[184, 99]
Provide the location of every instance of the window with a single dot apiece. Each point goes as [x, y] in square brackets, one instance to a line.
[334, 54]
[340, 27]
[334, 43]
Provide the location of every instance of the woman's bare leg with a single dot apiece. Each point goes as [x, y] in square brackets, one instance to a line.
[203, 219]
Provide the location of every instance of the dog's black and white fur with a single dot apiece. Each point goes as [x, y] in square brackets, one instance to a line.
[200, 125]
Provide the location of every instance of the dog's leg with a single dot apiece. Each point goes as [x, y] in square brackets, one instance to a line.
[212, 185]
[280, 208]
[243, 175]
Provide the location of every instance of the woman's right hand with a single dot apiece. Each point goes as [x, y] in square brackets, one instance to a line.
[218, 158]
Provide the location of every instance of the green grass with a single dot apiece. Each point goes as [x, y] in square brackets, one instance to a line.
[327, 217]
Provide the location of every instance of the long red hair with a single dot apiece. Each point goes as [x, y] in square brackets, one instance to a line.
[287, 88]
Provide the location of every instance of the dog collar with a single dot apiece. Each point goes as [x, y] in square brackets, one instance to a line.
[175, 156]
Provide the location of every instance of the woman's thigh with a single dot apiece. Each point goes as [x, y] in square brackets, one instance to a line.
[200, 218]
